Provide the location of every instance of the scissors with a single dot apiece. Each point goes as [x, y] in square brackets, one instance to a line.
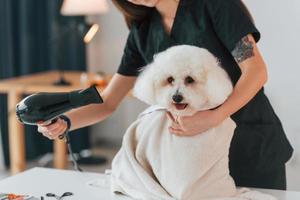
[66, 194]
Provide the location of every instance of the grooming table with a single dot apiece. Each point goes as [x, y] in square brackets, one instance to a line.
[39, 181]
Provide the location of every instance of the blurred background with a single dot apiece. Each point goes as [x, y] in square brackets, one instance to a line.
[38, 36]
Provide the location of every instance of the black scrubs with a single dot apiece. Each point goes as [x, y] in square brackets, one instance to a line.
[259, 148]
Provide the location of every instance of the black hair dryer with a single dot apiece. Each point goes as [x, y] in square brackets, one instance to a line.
[46, 107]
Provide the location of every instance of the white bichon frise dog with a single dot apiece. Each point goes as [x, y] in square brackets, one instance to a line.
[184, 79]
[153, 164]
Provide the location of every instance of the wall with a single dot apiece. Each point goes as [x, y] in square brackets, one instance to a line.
[279, 23]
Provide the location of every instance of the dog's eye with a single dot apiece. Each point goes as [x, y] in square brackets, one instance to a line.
[170, 80]
[189, 80]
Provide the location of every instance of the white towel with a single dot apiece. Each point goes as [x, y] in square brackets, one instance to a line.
[153, 164]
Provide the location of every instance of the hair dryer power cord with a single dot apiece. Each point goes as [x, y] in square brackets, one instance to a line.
[74, 161]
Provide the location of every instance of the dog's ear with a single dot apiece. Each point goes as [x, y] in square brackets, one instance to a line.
[218, 85]
[144, 86]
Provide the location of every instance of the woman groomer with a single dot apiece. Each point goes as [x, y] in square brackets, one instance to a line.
[259, 148]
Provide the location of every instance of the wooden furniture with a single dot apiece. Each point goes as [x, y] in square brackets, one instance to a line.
[44, 180]
[40, 82]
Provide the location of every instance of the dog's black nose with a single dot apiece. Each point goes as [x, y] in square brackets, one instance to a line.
[177, 98]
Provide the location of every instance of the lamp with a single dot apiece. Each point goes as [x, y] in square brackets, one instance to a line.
[82, 30]
[86, 31]
[83, 7]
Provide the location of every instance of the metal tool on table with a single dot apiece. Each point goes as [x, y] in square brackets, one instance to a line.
[66, 194]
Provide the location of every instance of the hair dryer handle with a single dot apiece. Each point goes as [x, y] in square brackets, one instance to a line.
[52, 121]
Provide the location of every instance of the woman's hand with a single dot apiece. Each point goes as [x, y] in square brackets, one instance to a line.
[54, 130]
[196, 124]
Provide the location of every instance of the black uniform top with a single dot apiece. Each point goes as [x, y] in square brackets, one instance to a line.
[259, 142]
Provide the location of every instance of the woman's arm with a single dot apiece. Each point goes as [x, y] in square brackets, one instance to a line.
[253, 77]
[112, 95]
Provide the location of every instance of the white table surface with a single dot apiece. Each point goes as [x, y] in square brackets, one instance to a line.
[39, 181]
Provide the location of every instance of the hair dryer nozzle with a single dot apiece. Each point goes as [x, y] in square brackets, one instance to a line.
[85, 97]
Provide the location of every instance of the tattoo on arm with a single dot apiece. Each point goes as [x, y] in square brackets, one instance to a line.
[243, 50]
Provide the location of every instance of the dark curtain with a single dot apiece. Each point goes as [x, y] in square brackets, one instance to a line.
[33, 38]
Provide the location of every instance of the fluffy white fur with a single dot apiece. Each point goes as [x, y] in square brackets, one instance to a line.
[211, 87]
[153, 164]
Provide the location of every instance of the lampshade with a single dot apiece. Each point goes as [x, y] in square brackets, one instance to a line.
[84, 7]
